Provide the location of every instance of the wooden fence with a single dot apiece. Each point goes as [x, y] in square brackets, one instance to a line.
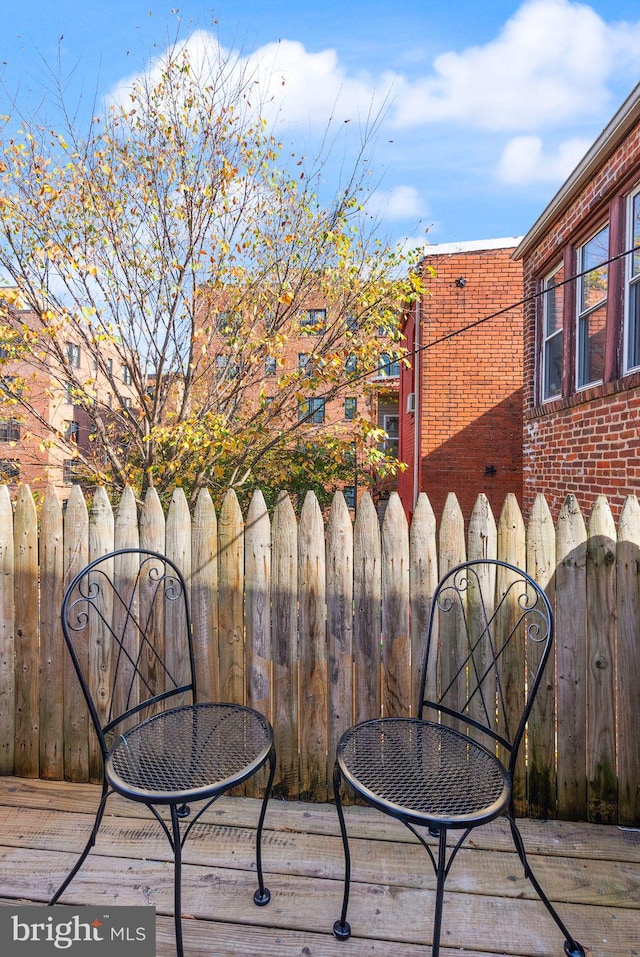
[321, 623]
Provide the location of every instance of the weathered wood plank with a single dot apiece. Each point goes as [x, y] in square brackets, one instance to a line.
[367, 599]
[450, 627]
[152, 523]
[423, 578]
[284, 642]
[541, 741]
[313, 651]
[178, 549]
[101, 651]
[602, 791]
[204, 597]
[628, 671]
[257, 614]
[396, 647]
[571, 661]
[512, 663]
[339, 625]
[230, 599]
[7, 637]
[52, 649]
[27, 701]
[76, 716]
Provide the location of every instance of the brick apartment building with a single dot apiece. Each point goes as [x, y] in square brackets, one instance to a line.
[582, 330]
[37, 447]
[461, 400]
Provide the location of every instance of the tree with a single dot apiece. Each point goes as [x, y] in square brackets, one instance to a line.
[176, 249]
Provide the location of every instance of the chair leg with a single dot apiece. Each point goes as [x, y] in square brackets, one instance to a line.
[341, 927]
[177, 878]
[90, 843]
[263, 895]
[571, 946]
[441, 874]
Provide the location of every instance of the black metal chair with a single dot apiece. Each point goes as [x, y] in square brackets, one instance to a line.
[452, 769]
[127, 626]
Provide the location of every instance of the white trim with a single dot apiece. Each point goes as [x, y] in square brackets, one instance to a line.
[628, 276]
[474, 245]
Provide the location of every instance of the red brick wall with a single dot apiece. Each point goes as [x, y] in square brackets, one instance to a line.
[587, 442]
[471, 397]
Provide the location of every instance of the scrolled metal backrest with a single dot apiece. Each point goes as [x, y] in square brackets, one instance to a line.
[126, 622]
[489, 637]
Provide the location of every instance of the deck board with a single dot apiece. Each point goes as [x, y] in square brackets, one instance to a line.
[593, 872]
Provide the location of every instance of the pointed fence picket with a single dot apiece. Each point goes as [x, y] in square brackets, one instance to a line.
[320, 622]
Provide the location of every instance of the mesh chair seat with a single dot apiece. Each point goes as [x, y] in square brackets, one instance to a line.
[399, 764]
[189, 753]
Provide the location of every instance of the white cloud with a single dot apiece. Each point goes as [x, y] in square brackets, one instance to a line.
[524, 160]
[291, 84]
[549, 64]
[400, 202]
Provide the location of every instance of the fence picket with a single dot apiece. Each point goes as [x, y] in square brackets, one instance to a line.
[396, 663]
[367, 599]
[313, 652]
[602, 797]
[571, 661]
[541, 779]
[482, 543]
[76, 715]
[284, 642]
[152, 523]
[204, 597]
[8, 663]
[628, 595]
[27, 760]
[339, 624]
[101, 538]
[178, 549]
[451, 632]
[230, 599]
[51, 639]
[423, 578]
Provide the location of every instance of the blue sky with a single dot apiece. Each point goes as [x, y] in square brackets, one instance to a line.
[488, 105]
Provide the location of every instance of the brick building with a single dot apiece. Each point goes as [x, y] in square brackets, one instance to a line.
[582, 327]
[461, 399]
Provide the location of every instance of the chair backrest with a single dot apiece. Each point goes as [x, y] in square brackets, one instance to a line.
[126, 622]
[489, 637]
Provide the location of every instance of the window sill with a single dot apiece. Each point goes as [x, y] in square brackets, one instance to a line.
[590, 394]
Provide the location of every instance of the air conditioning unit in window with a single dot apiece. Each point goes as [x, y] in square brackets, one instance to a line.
[411, 402]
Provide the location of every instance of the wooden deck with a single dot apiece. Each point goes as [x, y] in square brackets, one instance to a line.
[490, 909]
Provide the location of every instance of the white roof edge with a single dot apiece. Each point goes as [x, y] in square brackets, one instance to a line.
[610, 138]
[474, 245]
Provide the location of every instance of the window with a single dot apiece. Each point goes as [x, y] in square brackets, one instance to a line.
[68, 393]
[126, 375]
[314, 321]
[73, 355]
[229, 323]
[351, 365]
[9, 430]
[552, 327]
[70, 471]
[303, 360]
[226, 366]
[72, 431]
[349, 492]
[632, 287]
[110, 366]
[350, 407]
[9, 469]
[312, 409]
[388, 367]
[391, 425]
[592, 308]
[351, 323]
[270, 365]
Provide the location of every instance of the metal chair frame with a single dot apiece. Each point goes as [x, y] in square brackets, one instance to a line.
[469, 715]
[129, 599]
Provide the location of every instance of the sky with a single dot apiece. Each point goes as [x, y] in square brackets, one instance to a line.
[484, 106]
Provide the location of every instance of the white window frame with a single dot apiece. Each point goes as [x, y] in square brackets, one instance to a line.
[546, 339]
[631, 280]
[583, 314]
